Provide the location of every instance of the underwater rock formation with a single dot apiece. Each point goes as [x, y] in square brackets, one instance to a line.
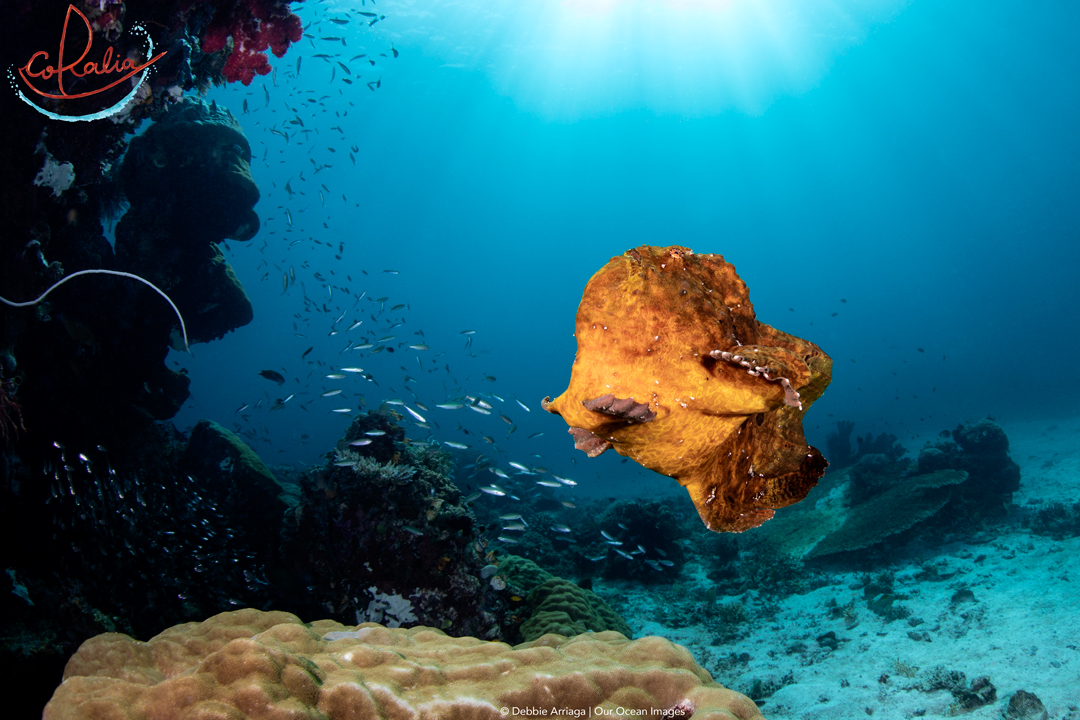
[189, 185]
[674, 371]
[360, 514]
[250, 663]
[242, 480]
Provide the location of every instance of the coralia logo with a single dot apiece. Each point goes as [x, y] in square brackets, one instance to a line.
[39, 73]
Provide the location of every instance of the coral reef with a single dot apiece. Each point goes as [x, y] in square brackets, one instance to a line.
[901, 507]
[562, 608]
[245, 662]
[982, 450]
[885, 444]
[365, 509]
[674, 371]
[245, 30]
[81, 521]
[956, 486]
[521, 573]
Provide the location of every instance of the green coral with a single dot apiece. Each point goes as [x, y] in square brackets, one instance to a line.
[563, 608]
[522, 573]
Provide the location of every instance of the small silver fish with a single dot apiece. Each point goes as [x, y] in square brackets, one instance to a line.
[607, 535]
[456, 445]
[352, 370]
[628, 556]
[419, 347]
[342, 410]
[512, 516]
[360, 443]
[523, 405]
[331, 393]
[356, 324]
[335, 376]
[411, 529]
[472, 497]
[560, 528]
[395, 401]
[549, 483]
[667, 563]
[507, 540]
[451, 406]
[418, 416]
[494, 490]
[514, 526]
[375, 433]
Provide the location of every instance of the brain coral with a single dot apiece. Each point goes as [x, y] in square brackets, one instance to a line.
[563, 608]
[254, 664]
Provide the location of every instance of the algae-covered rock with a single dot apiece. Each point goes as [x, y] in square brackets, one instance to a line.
[561, 607]
[217, 449]
[232, 471]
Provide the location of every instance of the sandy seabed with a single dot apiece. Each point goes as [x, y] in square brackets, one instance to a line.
[1019, 626]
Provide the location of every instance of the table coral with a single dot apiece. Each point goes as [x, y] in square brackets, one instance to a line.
[255, 664]
[674, 371]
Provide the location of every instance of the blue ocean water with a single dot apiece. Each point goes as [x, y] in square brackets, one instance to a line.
[895, 181]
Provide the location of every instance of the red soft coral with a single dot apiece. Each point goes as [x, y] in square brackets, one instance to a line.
[254, 26]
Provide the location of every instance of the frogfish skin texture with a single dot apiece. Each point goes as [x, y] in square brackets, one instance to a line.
[674, 371]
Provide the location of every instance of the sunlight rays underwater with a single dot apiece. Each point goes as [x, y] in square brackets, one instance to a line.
[564, 60]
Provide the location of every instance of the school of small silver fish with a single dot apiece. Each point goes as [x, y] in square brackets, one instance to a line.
[356, 351]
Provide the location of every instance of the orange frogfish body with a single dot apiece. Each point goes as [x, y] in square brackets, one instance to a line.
[674, 371]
